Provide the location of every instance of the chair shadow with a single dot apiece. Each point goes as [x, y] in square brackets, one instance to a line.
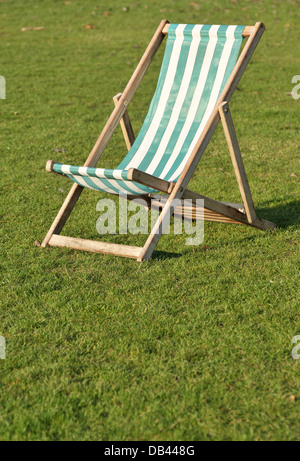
[283, 215]
[164, 255]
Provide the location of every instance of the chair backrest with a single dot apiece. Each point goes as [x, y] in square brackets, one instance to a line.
[197, 63]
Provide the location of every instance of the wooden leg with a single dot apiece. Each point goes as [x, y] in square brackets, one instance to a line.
[156, 232]
[108, 130]
[237, 161]
[159, 226]
[125, 123]
[63, 213]
[202, 142]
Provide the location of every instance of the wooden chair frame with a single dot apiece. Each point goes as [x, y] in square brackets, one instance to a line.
[213, 210]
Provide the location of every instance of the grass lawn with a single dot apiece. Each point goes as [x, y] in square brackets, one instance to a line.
[195, 344]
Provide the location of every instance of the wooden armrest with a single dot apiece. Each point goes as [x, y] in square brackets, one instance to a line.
[151, 181]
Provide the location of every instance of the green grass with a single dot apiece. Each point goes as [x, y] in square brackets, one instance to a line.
[195, 344]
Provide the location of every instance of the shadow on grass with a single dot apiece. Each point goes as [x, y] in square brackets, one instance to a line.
[164, 255]
[283, 215]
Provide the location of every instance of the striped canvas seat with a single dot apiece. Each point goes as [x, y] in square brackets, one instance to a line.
[197, 63]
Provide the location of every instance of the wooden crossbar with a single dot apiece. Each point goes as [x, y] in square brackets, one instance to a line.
[95, 246]
[228, 210]
[194, 212]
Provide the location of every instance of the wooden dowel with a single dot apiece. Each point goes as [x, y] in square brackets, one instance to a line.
[246, 32]
[126, 251]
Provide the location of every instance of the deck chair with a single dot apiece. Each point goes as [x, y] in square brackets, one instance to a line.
[201, 68]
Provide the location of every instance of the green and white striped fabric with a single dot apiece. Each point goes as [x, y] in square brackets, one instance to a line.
[197, 63]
